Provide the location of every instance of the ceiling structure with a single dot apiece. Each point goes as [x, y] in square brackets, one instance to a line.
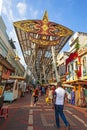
[36, 37]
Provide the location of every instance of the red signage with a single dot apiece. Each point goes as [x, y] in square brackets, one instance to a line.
[6, 74]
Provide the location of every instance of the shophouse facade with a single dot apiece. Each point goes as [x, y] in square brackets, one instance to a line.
[10, 65]
[6, 67]
[76, 67]
[61, 65]
[74, 64]
[8, 50]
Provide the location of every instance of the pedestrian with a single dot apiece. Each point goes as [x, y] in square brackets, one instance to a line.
[49, 96]
[35, 95]
[59, 97]
[43, 90]
[69, 97]
[73, 97]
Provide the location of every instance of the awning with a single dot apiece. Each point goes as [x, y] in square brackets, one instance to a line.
[76, 82]
[17, 77]
[67, 85]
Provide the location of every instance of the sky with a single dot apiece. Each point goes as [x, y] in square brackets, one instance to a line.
[69, 13]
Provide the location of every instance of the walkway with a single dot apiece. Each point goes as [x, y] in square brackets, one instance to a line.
[23, 116]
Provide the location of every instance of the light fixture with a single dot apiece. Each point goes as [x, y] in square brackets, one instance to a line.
[17, 58]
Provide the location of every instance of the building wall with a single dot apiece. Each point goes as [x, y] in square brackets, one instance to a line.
[61, 63]
[75, 61]
[7, 51]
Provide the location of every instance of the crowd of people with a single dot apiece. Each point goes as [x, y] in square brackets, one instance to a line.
[77, 97]
[38, 91]
[74, 97]
[57, 96]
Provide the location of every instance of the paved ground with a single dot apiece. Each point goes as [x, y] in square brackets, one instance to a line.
[24, 116]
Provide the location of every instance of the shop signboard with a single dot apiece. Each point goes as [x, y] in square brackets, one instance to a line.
[6, 74]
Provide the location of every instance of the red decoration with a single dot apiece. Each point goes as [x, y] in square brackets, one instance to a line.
[72, 57]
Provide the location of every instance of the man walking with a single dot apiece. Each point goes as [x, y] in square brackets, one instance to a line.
[59, 96]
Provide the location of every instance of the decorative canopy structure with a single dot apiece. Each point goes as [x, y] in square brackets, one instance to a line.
[36, 38]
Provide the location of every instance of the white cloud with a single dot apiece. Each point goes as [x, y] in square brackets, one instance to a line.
[33, 12]
[7, 10]
[0, 6]
[21, 8]
[11, 15]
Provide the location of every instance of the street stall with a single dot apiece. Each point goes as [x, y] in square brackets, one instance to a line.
[14, 88]
[5, 70]
[11, 90]
[20, 84]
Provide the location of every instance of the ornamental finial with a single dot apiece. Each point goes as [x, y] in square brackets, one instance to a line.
[45, 17]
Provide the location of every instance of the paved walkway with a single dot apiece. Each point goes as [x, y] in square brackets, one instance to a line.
[80, 109]
[24, 116]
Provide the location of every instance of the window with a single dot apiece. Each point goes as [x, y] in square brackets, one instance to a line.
[76, 65]
[84, 67]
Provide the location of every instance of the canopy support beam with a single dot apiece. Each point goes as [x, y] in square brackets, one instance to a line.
[54, 64]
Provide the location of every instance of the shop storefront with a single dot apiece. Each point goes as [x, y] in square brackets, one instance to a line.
[80, 88]
[76, 76]
[5, 70]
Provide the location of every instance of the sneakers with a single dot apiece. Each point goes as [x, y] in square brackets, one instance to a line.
[68, 127]
[56, 126]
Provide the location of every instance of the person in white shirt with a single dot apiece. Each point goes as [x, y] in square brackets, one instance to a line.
[59, 96]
